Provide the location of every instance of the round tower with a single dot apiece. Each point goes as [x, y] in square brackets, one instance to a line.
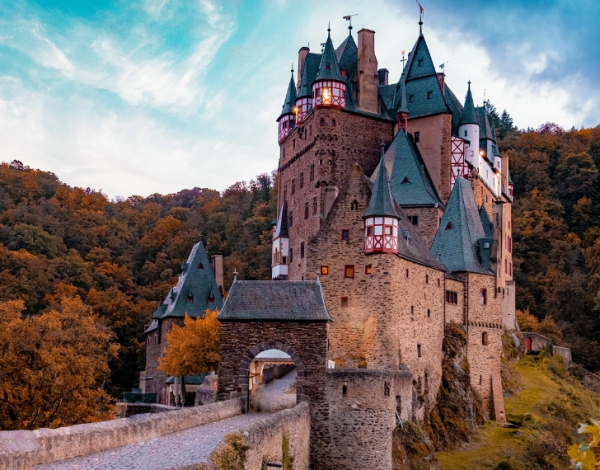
[329, 86]
[468, 130]
[381, 218]
[287, 118]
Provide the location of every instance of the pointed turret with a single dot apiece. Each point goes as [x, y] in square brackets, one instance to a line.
[468, 130]
[457, 242]
[381, 218]
[287, 118]
[329, 86]
[304, 97]
[279, 263]
[468, 115]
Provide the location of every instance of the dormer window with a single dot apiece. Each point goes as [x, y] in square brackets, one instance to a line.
[420, 62]
[449, 226]
[190, 298]
[200, 266]
[211, 300]
[327, 67]
[429, 95]
[405, 180]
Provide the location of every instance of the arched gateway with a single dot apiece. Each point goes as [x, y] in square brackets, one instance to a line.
[286, 315]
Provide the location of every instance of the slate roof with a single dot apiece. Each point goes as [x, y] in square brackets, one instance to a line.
[309, 72]
[457, 244]
[485, 126]
[275, 301]
[486, 222]
[388, 95]
[189, 379]
[382, 202]
[329, 59]
[468, 114]
[401, 99]
[290, 100]
[419, 52]
[199, 283]
[347, 56]
[410, 182]
[282, 223]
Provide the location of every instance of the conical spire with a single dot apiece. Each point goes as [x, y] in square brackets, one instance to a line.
[329, 69]
[382, 202]
[488, 225]
[402, 102]
[290, 98]
[468, 115]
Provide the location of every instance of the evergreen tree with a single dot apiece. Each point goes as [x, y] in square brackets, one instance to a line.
[506, 124]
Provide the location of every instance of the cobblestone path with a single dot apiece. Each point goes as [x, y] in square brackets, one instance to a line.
[178, 449]
[272, 396]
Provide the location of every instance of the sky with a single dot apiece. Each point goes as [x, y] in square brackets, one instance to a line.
[156, 96]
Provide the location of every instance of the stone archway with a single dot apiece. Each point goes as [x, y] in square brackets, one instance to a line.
[250, 355]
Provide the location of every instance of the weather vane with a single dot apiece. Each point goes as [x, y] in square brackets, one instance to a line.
[349, 18]
[403, 59]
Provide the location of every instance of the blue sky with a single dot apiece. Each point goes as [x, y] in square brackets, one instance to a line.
[161, 95]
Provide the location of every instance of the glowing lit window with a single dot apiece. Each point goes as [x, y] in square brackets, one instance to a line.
[368, 269]
[349, 271]
[324, 270]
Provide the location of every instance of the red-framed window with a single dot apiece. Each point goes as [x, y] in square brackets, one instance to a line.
[349, 271]
[344, 302]
[286, 124]
[329, 93]
[304, 106]
[381, 235]
[368, 269]
[483, 297]
[324, 270]
[190, 299]
[211, 300]
[345, 234]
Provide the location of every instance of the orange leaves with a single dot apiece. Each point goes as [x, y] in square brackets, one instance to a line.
[164, 230]
[52, 367]
[193, 348]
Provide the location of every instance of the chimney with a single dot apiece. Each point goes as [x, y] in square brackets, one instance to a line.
[216, 264]
[302, 53]
[368, 78]
[440, 79]
[383, 76]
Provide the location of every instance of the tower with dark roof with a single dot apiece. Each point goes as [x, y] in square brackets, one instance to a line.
[287, 118]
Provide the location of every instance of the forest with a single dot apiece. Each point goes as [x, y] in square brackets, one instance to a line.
[120, 257]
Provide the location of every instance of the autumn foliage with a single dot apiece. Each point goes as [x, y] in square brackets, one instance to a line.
[52, 366]
[194, 348]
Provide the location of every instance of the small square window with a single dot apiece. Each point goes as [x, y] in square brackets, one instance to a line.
[211, 300]
[368, 269]
[344, 302]
[483, 296]
[324, 270]
[349, 271]
[420, 62]
[345, 234]
[418, 350]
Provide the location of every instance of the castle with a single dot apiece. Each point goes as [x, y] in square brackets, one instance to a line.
[394, 219]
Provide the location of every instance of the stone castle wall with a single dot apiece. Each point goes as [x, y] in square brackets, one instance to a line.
[429, 221]
[455, 312]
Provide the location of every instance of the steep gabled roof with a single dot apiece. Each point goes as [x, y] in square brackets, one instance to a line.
[468, 114]
[275, 301]
[455, 107]
[456, 241]
[486, 222]
[196, 282]
[281, 230]
[410, 182]
[388, 96]
[419, 62]
[382, 202]
[329, 68]
[347, 56]
[484, 121]
[290, 99]
[309, 72]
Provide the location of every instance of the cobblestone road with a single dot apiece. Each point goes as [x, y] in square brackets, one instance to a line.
[181, 448]
[278, 394]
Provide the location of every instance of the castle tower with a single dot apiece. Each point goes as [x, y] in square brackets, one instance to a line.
[310, 64]
[287, 119]
[468, 130]
[381, 218]
[329, 86]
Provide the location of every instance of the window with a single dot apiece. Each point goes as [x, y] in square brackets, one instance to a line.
[509, 225]
[510, 244]
[420, 62]
[301, 250]
[301, 180]
[412, 310]
[310, 130]
[414, 219]
[465, 133]
[438, 282]
[510, 268]
[368, 269]
[190, 298]
[293, 186]
[285, 193]
[386, 389]
[333, 122]
[324, 270]
[345, 388]
[345, 234]
[428, 313]
[417, 136]
[322, 122]
[449, 226]
[451, 297]
[407, 274]
[429, 95]
[200, 266]
[283, 153]
[418, 350]
[354, 206]
[483, 296]
[426, 278]
[411, 99]
[312, 173]
[291, 255]
[315, 205]
[505, 265]
[211, 300]
[484, 338]
[369, 231]
[349, 271]
[294, 144]
[405, 180]
[321, 162]
[291, 219]
[344, 302]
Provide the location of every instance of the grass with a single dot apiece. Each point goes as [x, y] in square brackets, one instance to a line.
[549, 396]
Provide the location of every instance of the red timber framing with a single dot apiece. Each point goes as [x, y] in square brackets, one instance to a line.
[286, 124]
[381, 235]
[457, 161]
[329, 93]
[304, 106]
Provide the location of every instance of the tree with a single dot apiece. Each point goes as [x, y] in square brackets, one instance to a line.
[193, 348]
[52, 367]
[506, 124]
[490, 109]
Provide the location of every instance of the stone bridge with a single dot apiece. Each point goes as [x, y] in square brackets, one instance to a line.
[182, 439]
